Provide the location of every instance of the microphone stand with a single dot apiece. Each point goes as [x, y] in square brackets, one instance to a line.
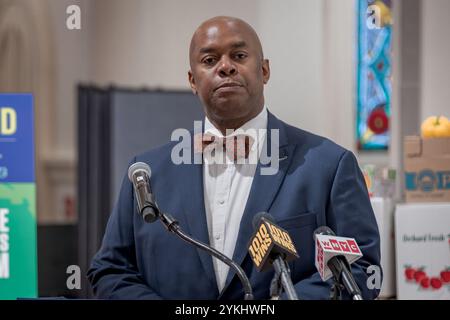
[172, 225]
[343, 280]
[282, 279]
[336, 290]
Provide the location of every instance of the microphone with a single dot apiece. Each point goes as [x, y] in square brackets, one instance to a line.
[333, 258]
[272, 246]
[139, 174]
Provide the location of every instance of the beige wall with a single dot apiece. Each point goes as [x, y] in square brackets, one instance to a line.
[435, 68]
[144, 43]
[72, 65]
[310, 44]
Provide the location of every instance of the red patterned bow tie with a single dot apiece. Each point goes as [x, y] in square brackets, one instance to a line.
[236, 147]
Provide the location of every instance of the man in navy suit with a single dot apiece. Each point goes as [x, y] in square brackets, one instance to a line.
[315, 183]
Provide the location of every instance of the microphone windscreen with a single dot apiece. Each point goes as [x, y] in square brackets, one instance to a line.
[138, 166]
[323, 230]
[257, 218]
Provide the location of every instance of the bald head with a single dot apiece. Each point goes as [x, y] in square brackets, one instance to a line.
[228, 71]
[214, 26]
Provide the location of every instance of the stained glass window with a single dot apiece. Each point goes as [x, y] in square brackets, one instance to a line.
[374, 70]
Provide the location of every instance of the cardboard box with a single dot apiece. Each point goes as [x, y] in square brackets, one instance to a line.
[422, 241]
[427, 169]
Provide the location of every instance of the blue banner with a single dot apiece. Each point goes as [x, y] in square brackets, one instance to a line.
[16, 138]
[18, 257]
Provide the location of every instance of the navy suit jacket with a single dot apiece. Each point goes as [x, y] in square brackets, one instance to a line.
[318, 183]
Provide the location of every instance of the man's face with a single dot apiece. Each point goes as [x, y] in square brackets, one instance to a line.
[228, 70]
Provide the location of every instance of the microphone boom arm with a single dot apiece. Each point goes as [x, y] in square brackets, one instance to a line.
[172, 225]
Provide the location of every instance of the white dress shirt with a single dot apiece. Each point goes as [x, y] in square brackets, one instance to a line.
[226, 189]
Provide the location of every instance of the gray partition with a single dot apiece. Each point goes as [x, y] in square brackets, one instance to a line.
[140, 121]
[113, 126]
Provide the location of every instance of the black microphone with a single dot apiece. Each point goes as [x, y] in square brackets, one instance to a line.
[272, 246]
[338, 264]
[139, 174]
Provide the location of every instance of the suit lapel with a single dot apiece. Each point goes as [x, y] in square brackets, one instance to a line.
[192, 178]
[262, 193]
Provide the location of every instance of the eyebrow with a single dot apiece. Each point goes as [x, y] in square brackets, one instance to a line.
[235, 45]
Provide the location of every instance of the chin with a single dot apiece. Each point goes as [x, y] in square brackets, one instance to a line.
[229, 111]
[230, 104]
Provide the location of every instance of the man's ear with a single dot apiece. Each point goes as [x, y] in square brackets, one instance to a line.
[192, 82]
[266, 70]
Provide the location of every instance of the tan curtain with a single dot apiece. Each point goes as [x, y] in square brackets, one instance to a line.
[15, 58]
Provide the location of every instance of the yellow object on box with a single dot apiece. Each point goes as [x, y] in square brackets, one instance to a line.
[435, 127]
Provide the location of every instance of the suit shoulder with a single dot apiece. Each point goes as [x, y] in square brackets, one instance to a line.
[158, 155]
[308, 139]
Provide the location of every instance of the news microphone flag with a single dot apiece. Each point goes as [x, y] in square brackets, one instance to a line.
[329, 246]
[270, 240]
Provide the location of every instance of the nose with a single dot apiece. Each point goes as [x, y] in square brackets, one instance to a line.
[227, 67]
